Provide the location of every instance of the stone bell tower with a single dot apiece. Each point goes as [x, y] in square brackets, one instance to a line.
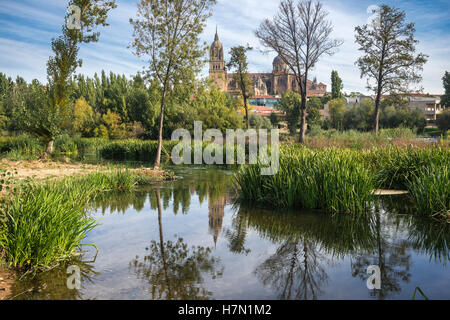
[217, 71]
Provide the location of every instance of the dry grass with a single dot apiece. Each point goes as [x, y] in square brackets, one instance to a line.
[41, 169]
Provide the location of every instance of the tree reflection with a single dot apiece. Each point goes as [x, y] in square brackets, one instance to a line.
[295, 271]
[173, 270]
[391, 256]
[236, 235]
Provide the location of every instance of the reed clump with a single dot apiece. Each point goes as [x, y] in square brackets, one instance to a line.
[343, 180]
[430, 190]
[43, 223]
[331, 179]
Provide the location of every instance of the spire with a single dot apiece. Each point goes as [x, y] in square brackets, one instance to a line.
[216, 38]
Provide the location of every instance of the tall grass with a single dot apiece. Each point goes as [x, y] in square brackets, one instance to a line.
[430, 190]
[132, 149]
[43, 224]
[23, 147]
[333, 179]
[343, 180]
[395, 166]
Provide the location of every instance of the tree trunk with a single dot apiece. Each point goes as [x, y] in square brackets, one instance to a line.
[50, 148]
[376, 116]
[161, 122]
[303, 120]
[246, 113]
[161, 243]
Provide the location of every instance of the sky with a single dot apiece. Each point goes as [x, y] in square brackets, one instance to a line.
[28, 26]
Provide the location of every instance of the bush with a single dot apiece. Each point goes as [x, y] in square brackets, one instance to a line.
[443, 121]
[135, 150]
[25, 144]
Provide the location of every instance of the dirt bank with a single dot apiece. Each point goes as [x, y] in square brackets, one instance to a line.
[6, 281]
[41, 169]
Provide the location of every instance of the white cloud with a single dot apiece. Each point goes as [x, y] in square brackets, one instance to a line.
[25, 41]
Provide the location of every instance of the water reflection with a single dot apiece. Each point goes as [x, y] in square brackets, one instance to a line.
[52, 285]
[172, 270]
[229, 250]
[295, 271]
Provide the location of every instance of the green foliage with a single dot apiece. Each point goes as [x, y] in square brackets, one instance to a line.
[443, 121]
[44, 223]
[239, 66]
[342, 180]
[336, 85]
[395, 167]
[290, 104]
[84, 118]
[337, 110]
[445, 99]
[24, 143]
[389, 57]
[274, 120]
[135, 150]
[168, 33]
[258, 122]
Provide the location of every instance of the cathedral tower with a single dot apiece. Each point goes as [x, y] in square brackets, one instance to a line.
[217, 72]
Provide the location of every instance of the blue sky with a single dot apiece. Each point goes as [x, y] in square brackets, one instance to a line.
[27, 27]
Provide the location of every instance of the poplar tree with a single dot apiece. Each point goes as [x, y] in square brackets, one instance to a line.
[167, 32]
[238, 63]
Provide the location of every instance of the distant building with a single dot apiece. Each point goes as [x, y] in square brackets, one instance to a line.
[352, 101]
[264, 101]
[264, 84]
[429, 105]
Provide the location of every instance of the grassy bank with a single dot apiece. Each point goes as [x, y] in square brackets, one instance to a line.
[343, 180]
[43, 223]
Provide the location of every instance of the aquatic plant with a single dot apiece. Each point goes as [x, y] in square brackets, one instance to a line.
[44, 222]
[395, 166]
[331, 179]
[430, 190]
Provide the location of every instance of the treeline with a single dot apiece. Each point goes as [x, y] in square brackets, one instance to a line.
[394, 113]
[112, 106]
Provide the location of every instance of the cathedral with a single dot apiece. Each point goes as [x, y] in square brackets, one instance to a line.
[264, 84]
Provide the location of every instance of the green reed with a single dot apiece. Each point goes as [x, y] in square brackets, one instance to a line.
[44, 223]
[332, 179]
[430, 190]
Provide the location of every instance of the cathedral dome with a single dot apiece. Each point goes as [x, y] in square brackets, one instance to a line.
[277, 60]
[278, 65]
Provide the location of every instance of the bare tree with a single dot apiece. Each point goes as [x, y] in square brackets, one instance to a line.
[300, 34]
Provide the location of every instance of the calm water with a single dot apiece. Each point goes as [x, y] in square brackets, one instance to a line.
[187, 240]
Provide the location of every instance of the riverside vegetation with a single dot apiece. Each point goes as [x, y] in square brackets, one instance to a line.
[343, 180]
[333, 179]
[43, 223]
